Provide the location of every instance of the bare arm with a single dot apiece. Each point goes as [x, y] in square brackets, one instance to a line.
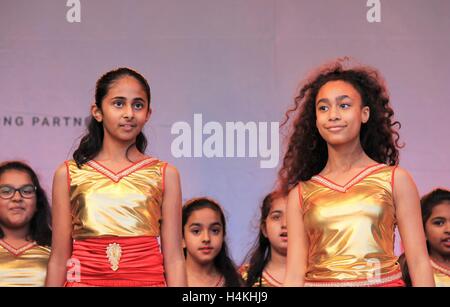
[407, 203]
[61, 228]
[171, 235]
[297, 255]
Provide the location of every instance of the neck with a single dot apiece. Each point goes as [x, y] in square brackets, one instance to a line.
[195, 269]
[15, 235]
[343, 158]
[438, 258]
[277, 260]
[116, 151]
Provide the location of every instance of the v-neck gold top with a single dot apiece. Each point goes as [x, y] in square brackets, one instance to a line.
[350, 228]
[23, 267]
[123, 204]
[441, 274]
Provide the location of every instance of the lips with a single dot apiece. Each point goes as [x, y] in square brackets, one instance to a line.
[206, 249]
[284, 236]
[446, 242]
[335, 128]
[17, 209]
[128, 127]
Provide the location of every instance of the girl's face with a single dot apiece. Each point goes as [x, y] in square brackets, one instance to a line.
[16, 211]
[203, 235]
[339, 112]
[125, 110]
[437, 229]
[275, 228]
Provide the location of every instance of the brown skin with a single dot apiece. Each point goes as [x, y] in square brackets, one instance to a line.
[437, 230]
[203, 239]
[125, 110]
[16, 212]
[275, 229]
[340, 114]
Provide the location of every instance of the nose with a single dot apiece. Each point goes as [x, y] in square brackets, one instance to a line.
[283, 222]
[334, 113]
[128, 111]
[205, 237]
[16, 196]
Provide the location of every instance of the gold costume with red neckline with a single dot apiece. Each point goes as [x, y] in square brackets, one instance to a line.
[23, 267]
[350, 229]
[265, 280]
[116, 221]
[441, 274]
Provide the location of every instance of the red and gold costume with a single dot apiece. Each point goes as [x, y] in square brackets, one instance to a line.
[116, 224]
[350, 230]
[441, 274]
[23, 267]
[265, 280]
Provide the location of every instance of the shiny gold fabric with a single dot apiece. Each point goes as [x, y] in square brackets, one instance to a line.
[125, 204]
[350, 228]
[441, 275]
[27, 269]
[264, 281]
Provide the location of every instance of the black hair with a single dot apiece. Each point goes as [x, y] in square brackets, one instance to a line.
[91, 143]
[40, 230]
[222, 262]
[260, 254]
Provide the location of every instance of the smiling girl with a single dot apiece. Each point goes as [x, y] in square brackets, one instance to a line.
[346, 191]
[112, 202]
[25, 234]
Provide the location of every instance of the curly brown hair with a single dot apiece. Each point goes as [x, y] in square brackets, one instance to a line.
[307, 152]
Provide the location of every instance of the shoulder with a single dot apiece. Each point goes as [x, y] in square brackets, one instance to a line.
[171, 172]
[62, 170]
[401, 177]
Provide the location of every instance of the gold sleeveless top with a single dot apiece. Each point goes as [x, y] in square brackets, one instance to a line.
[23, 267]
[125, 204]
[266, 280]
[441, 275]
[351, 228]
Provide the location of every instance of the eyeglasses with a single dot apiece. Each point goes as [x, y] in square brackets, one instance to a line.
[26, 191]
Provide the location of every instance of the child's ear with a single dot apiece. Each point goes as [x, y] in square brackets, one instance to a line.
[183, 243]
[96, 113]
[263, 229]
[149, 113]
[365, 114]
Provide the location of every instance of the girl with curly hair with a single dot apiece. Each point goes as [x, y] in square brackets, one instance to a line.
[346, 192]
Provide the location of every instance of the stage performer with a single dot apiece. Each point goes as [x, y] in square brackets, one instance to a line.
[266, 261]
[208, 263]
[25, 234]
[117, 211]
[346, 190]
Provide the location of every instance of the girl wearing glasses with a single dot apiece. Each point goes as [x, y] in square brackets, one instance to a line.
[112, 202]
[25, 235]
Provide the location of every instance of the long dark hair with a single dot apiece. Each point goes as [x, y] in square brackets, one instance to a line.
[222, 262]
[307, 151]
[91, 143]
[427, 203]
[40, 230]
[260, 254]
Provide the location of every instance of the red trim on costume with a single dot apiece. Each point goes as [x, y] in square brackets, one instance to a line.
[67, 175]
[17, 251]
[355, 180]
[271, 280]
[116, 177]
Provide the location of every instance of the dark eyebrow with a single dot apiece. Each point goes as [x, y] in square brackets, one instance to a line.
[438, 218]
[276, 211]
[216, 224]
[195, 224]
[338, 98]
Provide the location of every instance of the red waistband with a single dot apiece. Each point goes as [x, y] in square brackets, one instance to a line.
[122, 261]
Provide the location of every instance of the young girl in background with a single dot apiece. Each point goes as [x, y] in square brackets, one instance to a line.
[346, 190]
[267, 260]
[112, 202]
[207, 261]
[436, 222]
[25, 235]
